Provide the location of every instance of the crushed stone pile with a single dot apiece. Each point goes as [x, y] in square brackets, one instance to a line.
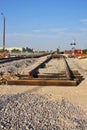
[37, 112]
[9, 71]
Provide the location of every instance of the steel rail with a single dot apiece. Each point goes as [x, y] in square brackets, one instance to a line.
[53, 79]
[67, 70]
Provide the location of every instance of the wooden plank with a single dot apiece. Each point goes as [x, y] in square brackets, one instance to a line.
[51, 76]
[43, 82]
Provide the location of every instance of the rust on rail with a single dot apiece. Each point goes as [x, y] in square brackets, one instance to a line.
[66, 78]
[39, 64]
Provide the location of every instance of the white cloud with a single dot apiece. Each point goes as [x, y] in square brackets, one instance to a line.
[32, 35]
[37, 30]
[49, 40]
[51, 30]
[83, 29]
[83, 20]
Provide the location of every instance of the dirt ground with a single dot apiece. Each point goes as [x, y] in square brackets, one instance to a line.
[75, 94]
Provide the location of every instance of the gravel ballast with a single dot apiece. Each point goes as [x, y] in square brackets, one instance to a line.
[38, 112]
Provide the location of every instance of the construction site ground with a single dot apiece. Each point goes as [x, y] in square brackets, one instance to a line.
[75, 94]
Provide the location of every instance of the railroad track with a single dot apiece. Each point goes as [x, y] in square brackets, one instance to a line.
[10, 59]
[77, 65]
[67, 77]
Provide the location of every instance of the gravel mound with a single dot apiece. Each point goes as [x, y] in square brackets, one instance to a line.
[16, 66]
[10, 70]
[37, 112]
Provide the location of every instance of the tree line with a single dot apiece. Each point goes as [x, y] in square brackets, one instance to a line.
[16, 50]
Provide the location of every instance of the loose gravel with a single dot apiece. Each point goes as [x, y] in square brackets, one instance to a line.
[16, 65]
[53, 66]
[37, 112]
[10, 70]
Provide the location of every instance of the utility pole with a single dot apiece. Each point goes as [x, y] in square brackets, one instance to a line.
[3, 32]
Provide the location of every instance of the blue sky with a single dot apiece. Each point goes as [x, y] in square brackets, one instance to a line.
[44, 24]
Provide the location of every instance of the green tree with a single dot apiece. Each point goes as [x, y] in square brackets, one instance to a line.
[15, 50]
[23, 49]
